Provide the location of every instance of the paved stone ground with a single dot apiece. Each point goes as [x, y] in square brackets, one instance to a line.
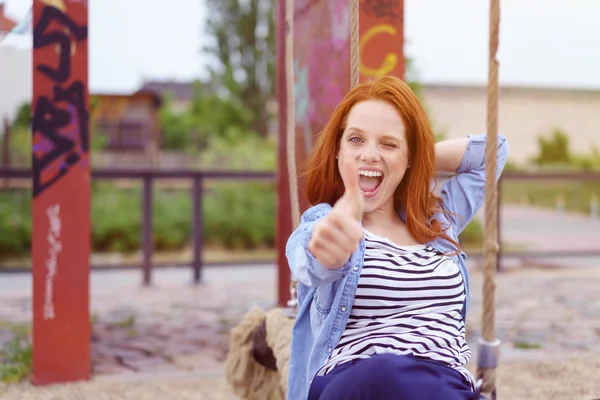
[556, 310]
[172, 326]
[537, 229]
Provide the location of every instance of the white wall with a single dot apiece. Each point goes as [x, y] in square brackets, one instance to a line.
[15, 79]
[524, 113]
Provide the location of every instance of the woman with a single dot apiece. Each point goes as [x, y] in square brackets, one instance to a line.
[383, 286]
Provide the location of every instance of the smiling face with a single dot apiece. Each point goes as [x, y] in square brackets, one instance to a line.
[375, 139]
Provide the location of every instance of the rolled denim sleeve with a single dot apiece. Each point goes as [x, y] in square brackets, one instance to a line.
[302, 263]
[464, 194]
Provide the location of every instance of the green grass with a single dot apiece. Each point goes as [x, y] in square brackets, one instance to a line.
[16, 356]
[527, 345]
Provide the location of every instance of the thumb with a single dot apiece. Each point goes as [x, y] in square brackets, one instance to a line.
[352, 187]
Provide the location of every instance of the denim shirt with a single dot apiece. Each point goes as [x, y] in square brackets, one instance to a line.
[326, 296]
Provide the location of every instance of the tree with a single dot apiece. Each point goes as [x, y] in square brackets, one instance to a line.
[555, 149]
[23, 116]
[412, 77]
[242, 68]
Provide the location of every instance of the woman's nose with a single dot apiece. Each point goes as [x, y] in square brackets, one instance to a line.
[370, 154]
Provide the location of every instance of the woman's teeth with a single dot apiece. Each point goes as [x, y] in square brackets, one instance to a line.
[370, 173]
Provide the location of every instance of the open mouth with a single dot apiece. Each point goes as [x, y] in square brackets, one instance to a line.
[370, 181]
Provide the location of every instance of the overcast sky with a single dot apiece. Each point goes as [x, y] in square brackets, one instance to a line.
[543, 42]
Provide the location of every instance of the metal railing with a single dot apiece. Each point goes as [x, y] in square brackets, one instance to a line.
[542, 176]
[147, 177]
[197, 178]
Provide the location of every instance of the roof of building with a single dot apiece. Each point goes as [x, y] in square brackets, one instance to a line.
[182, 91]
[6, 23]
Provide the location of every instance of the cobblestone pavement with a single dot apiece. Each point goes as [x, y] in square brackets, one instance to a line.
[543, 315]
[174, 326]
[171, 328]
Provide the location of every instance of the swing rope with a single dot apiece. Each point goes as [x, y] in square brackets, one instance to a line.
[291, 138]
[291, 112]
[489, 345]
[354, 50]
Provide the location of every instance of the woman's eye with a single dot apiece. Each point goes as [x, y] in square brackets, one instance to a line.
[354, 139]
[390, 145]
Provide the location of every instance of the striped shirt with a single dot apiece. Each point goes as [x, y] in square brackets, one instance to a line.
[408, 301]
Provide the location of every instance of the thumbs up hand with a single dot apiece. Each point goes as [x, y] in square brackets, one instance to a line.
[337, 235]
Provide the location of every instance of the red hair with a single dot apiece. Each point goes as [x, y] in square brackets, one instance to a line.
[413, 195]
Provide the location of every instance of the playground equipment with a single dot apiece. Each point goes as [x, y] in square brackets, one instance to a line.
[257, 363]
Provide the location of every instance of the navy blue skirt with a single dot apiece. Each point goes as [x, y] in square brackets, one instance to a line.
[391, 377]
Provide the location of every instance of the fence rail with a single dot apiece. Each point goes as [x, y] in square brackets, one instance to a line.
[545, 176]
[550, 176]
[147, 177]
[197, 178]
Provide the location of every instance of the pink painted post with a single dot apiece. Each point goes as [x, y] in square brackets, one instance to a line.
[322, 79]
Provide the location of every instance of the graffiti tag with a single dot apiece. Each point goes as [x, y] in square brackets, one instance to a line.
[55, 151]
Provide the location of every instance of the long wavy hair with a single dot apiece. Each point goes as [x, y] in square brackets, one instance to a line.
[414, 196]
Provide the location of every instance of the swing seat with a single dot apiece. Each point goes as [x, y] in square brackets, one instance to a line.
[261, 352]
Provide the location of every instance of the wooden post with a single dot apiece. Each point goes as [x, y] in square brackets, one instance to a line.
[381, 36]
[284, 217]
[61, 192]
[322, 75]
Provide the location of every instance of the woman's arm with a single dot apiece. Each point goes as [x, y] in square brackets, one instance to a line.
[305, 267]
[464, 194]
[449, 154]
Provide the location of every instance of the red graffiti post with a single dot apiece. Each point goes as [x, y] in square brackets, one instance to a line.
[381, 38]
[61, 192]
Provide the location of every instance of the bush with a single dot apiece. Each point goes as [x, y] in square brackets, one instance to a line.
[116, 219]
[239, 216]
[15, 223]
[554, 149]
[236, 215]
[249, 153]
